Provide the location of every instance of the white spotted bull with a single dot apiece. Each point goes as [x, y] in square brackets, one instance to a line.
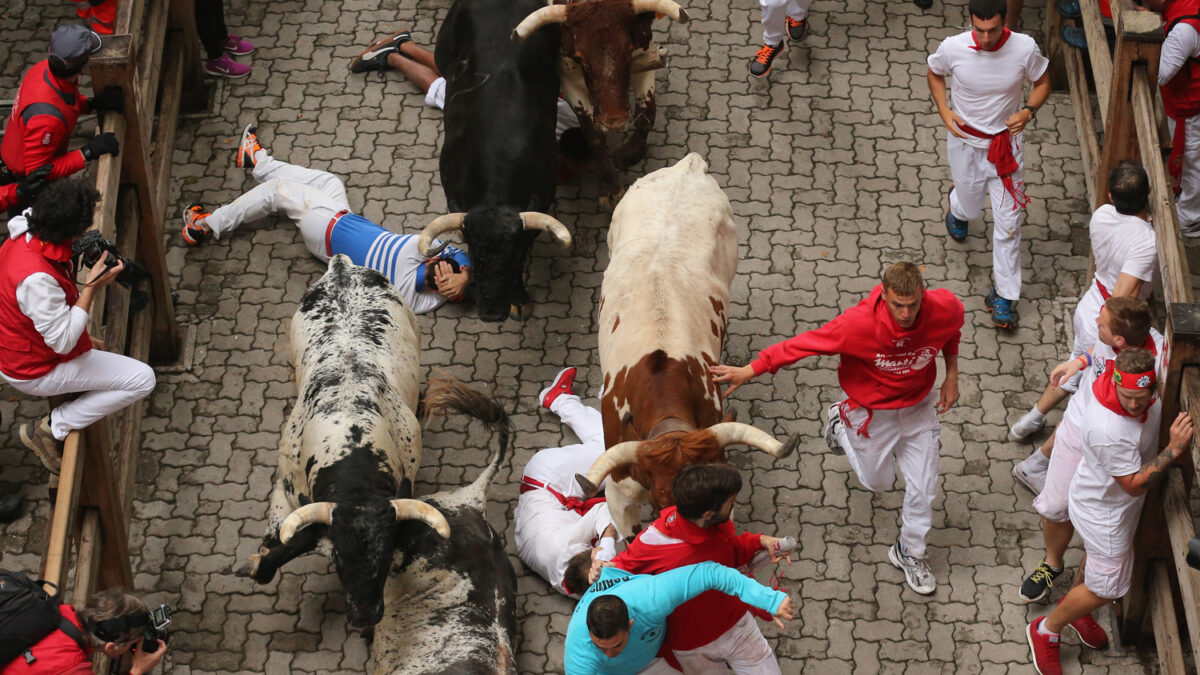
[662, 324]
[352, 445]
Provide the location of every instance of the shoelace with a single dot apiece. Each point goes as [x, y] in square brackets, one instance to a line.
[764, 54]
[792, 22]
[1043, 573]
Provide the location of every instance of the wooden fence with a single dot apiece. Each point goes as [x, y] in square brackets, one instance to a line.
[1131, 125]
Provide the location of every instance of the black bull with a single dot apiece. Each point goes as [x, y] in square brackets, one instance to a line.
[499, 157]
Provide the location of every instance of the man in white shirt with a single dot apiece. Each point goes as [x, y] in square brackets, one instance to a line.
[316, 202]
[1179, 83]
[989, 66]
[553, 522]
[1120, 435]
[1126, 258]
[1124, 323]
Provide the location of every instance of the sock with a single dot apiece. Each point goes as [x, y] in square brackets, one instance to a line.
[1037, 415]
[1042, 629]
[1037, 460]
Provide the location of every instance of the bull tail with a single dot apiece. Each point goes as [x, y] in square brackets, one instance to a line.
[444, 394]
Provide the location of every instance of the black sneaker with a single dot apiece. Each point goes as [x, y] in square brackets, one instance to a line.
[375, 57]
[761, 65]
[796, 30]
[1037, 586]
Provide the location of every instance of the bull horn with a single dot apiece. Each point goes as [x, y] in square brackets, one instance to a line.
[415, 509]
[545, 15]
[621, 453]
[316, 512]
[532, 220]
[667, 7]
[730, 433]
[439, 226]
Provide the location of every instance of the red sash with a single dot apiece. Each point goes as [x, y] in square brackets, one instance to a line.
[580, 506]
[1000, 154]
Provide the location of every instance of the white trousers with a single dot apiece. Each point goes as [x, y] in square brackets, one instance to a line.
[743, 647]
[774, 13]
[908, 438]
[1084, 320]
[1187, 204]
[310, 197]
[975, 180]
[112, 382]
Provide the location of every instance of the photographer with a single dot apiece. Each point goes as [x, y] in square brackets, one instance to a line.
[113, 622]
[45, 349]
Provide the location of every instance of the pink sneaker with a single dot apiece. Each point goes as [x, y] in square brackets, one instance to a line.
[237, 46]
[226, 67]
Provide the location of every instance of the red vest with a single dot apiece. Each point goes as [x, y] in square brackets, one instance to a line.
[1181, 96]
[40, 94]
[55, 653]
[24, 354]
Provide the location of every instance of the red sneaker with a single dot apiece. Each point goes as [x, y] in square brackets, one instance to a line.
[561, 385]
[1089, 630]
[1044, 649]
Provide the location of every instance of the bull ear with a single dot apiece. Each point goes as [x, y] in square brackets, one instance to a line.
[535, 220]
[309, 514]
[665, 7]
[440, 225]
[415, 509]
[541, 17]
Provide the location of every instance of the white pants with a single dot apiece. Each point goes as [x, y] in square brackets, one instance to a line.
[908, 438]
[743, 647]
[1084, 320]
[774, 12]
[112, 382]
[310, 197]
[1187, 204]
[1051, 502]
[975, 179]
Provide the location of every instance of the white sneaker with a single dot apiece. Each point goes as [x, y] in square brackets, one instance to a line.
[1031, 472]
[833, 422]
[1029, 424]
[916, 570]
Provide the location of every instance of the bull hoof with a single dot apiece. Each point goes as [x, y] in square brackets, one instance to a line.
[589, 489]
[520, 312]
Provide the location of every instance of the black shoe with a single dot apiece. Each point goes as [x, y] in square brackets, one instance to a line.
[761, 65]
[10, 508]
[1039, 583]
[796, 30]
[375, 57]
[923, 4]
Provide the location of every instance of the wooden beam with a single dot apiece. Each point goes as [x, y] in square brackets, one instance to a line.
[100, 491]
[55, 564]
[1101, 58]
[88, 565]
[1085, 121]
[1182, 529]
[1166, 626]
[1052, 47]
[168, 119]
[1120, 143]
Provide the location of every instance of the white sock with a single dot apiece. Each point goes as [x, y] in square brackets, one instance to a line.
[1038, 459]
[1042, 629]
[1036, 415]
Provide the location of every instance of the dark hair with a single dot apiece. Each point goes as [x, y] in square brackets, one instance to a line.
[63, 210]
[579, 568]
[430, 278]
[107, 606]
[1129, 318]
[607, 616]
[699, 488]
[986, 9]
[1129, 187]
[65, 69]
[574, 145]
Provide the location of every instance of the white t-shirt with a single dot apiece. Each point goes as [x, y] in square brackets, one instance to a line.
[986, 87]
[1101, 355]
[1106, 516]
[1123, 245]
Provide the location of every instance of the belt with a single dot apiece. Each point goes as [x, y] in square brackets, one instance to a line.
[329, 231]
[575, 504]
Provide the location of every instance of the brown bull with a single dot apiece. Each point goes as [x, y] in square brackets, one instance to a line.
[602, 41]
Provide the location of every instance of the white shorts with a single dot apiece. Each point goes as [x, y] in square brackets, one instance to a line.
[436, 96]
[1051, 502]
[1106, 576]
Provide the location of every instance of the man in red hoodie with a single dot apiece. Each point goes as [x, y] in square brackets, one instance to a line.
[712, 629]
[887, 343]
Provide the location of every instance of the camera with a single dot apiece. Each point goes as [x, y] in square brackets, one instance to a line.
[87, 250]
[156, 628]
[1193, 553]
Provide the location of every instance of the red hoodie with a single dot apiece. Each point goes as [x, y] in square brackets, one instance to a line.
[671, 542]
[883, 366]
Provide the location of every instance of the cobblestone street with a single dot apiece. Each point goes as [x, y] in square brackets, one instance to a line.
[835, 167]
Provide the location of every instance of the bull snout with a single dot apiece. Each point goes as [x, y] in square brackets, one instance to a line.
[612, 122]
[364, 615]
[493, 314]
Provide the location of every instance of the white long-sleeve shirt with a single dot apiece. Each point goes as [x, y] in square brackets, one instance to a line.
[1182, 43]
[42, 299]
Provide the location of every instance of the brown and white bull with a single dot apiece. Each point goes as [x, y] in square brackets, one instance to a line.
[603, 43]
[351, 446]
[673, 254]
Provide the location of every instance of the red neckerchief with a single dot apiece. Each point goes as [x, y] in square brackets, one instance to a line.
[1105, 391]
[674, 525]
[56, 252]
[995, 47]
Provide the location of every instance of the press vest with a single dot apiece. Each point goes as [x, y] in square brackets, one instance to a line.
[55, 653]
[1181, 96]
[42, 94]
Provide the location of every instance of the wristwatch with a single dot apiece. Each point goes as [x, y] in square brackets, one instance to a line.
[1032, 112]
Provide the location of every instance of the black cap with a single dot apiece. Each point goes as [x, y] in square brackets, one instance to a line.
[72, 43]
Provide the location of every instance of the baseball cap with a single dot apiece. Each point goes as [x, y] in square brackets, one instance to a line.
[73, 43]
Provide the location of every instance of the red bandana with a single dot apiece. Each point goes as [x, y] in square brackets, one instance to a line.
[1105, 388]
[55, 252]
[995, 47]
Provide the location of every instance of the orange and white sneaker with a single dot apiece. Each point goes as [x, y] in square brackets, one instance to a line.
[195, 230]
[249, 146]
